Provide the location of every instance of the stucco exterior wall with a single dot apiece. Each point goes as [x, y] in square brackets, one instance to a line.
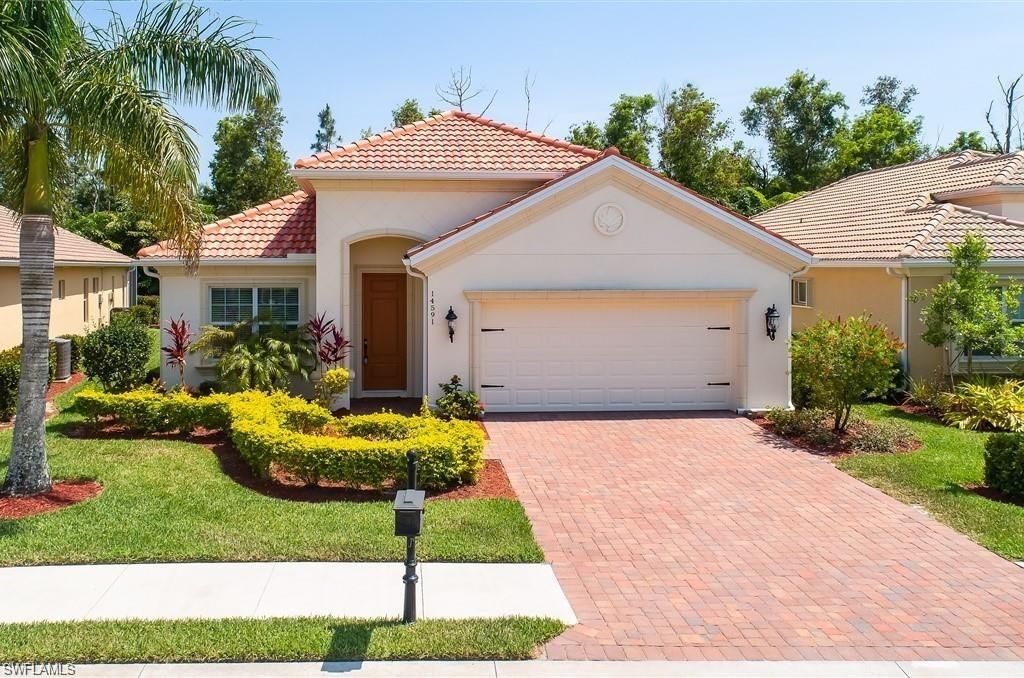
[188, 296]
[657, 249]
[79, 311]
[847, 292]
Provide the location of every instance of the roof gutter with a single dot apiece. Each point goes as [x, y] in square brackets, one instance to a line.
[424, 317]
[423, 175]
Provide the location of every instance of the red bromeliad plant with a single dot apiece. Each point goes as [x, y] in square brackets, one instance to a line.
[330, 343]
[180, 332]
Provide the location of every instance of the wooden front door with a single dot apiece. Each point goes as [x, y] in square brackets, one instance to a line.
[384, 332]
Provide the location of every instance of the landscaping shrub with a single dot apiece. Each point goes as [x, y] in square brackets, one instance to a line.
[301, 439]
[924, 393]
[332, 384]
[144, 314]
[796, 423]
[10, 373]
[117, 354]
[839, 362]
[880, 436]
[458, 403]
[1004, 463]
[973, 406]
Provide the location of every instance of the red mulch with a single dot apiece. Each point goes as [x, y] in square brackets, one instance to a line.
[493, 483]
[57, 387]
[64, 493]
[922, 411]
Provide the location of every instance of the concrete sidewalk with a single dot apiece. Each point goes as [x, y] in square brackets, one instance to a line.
[563, 669]
[262, 590]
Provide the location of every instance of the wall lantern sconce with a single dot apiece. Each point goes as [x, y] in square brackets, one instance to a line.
[451, 318]
[771, 321]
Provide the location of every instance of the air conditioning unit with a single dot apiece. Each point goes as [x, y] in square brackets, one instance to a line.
[62, 348]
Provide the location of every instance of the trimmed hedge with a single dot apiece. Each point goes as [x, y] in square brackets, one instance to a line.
[303, 439]
[117, 354]
[10, 375]
[1004, 463]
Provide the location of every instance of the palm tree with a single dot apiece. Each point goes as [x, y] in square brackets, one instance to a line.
[103, 95]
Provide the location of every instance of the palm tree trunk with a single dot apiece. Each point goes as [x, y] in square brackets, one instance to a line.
[28, 472]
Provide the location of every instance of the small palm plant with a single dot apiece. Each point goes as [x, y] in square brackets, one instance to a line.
[180, 332]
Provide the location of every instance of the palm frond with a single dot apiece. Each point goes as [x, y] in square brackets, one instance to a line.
[189, 53]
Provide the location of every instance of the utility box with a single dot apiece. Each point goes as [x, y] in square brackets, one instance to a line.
[62, 347]
[409, 506]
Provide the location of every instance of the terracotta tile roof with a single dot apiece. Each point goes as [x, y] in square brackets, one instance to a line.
[454, 142]
[891, 213]
[68, 247]
[271, 230]
[607, 153]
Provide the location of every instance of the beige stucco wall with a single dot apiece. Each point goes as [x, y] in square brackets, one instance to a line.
[847, 292]
[67, 315]
[560, 249]
[188, 296]
[355, 211]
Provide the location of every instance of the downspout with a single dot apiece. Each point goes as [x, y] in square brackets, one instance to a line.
[904, 277]
[424, 317]
[789, 360]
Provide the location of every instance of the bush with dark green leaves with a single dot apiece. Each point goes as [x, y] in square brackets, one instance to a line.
[10, 373]
[116, 355]
[144, 314]
[1004, 463]
[458, 403]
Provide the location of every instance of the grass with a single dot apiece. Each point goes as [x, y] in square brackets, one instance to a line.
[311, 639]
[938, 477]
[169, 501]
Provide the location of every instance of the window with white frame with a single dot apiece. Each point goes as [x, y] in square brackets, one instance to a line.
[61, 289]
[801, 292]
[230, 305]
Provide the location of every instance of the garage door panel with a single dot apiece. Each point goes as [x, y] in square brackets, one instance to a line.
[568, 355]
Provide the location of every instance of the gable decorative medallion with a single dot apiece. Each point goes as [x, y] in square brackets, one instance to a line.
[609, 219]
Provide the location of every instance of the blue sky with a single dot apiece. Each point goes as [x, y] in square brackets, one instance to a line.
[365, 58]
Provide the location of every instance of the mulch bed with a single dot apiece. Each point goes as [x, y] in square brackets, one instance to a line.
[493, 483]
[57, 387]
[64, 493]
[922, 411]
[840, 449]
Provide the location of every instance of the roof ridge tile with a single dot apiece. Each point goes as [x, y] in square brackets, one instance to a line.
[1013, 165]
[922, 236]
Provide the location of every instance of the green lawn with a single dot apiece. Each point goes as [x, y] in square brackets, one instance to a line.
[937, 477]
[168, 500]
[311, 639]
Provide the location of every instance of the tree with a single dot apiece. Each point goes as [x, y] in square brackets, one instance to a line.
[878, 138]
[965, 141]
[630, 128]
[408, 112]
[889, 91]
[326, 134]
[249, 165]
[103, 95]
[839, 362]
[459, 90]
[692, 150]
[971, 311]
[799, 120]
[587, 134]
[1003, 135]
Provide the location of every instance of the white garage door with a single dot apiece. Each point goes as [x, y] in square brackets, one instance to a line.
[606, 355]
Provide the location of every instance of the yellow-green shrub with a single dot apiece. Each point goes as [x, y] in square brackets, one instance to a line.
[305, 440]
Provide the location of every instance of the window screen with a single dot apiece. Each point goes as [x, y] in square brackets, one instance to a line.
[229, 305]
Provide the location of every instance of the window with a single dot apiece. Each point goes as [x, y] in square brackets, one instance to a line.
[801, 292]
[230, 305]
[95, 285]
[61, 290]
[85, 300]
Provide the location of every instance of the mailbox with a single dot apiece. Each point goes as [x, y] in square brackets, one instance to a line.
[409, 513]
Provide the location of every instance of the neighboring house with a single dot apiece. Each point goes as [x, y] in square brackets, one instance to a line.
[580, 280]
[881, 235]
[88, 280]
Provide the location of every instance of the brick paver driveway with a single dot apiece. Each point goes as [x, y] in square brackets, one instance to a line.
[700, 537]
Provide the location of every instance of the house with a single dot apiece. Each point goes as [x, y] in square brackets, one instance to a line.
[881, 235]
[88, 280]
[547, 276]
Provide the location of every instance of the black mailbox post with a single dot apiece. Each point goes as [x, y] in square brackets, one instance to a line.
[409, 509]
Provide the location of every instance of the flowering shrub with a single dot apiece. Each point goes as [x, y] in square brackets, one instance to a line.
[836, 363]
[282, 432]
